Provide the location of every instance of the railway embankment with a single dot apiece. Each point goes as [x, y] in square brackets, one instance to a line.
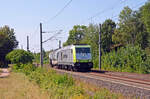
[128, 87]
[63, 86]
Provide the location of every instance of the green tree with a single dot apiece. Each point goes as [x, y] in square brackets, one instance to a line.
[146, 15]
[7, 43]
[131, 29]
[19, 56]
[108, 28]
[76, 35]
[127, 59]
[92, 38]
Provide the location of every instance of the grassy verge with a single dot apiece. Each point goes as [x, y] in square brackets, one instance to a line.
[17, 86]
[63, 86]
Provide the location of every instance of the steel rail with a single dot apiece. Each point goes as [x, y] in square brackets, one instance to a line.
[145, 82]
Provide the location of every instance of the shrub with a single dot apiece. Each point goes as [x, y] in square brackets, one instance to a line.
[127, 59]
[19, 56]
[25, 68]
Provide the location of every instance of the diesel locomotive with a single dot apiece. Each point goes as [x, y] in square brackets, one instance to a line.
[73, 57]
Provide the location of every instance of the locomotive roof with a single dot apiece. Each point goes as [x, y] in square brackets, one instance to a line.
[73, 46]
[82, 45]
[70, 47]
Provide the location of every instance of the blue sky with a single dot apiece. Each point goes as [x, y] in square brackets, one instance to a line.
[25, 15]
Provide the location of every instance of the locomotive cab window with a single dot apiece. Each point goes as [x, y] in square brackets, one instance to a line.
[82, 50]
[83, 53]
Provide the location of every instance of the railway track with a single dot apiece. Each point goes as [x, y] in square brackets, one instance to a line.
[114, 79]
[111, 77]
[144, 82]
[122, 84]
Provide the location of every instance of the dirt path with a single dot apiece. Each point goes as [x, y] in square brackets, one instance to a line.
[5, 72]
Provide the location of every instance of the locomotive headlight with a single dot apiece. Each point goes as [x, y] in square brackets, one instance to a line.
[89, 60]
[78, 64]
[78, 60]
[90, 64]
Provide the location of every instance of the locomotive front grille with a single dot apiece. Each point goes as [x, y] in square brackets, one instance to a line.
[79, 65]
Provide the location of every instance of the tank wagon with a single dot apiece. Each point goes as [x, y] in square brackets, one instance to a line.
[73, 57]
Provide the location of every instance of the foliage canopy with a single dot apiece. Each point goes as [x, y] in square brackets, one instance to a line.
[131, 29]
[146, 15]
[7, 42]
[19, 56]
[127, 59]
[76, 35]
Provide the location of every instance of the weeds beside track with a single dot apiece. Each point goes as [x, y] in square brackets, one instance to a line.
[64, 86]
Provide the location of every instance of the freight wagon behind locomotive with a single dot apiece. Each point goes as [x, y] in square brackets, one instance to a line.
[73, 57]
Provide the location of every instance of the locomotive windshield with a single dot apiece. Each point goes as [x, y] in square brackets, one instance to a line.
[83, 53]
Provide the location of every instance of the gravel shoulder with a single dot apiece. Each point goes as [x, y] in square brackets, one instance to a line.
[126, 88]
[145, 77]
[126, 75]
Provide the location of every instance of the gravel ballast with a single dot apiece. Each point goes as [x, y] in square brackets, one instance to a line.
[125, 89]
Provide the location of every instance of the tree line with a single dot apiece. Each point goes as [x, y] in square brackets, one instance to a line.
[125, 44]
[7, 43]
[131, 31]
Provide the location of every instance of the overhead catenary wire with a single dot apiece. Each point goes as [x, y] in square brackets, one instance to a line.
[135, 6]
[59, 12]
[57, 37]
[112, 7]
[115, 16]
[52, 18]
[105, 10]
[50, 31]
[53, 36]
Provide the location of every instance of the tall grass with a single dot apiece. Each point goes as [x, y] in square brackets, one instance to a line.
[61, 86]
[17, 86]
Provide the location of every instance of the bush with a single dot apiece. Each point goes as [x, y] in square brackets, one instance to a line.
[19, 56]
[25, 68]
[127, 59]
